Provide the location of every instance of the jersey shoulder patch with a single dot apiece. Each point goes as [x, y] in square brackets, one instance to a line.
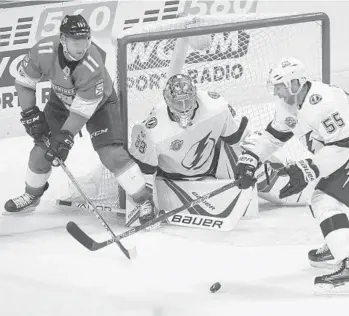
[151, 122]
[315, 99]
[213, 95]
[211, 106]
[154, 116]
[290, 121]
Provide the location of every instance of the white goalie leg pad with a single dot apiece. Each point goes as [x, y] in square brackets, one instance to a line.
[221, 212]
[132, 180]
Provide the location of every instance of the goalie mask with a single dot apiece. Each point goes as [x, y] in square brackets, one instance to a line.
[180, 97]
[285, 72]
[75, 36]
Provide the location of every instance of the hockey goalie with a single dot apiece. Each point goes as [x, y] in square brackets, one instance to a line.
[189, 145]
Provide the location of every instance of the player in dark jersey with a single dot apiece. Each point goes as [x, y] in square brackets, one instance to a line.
[82, 93]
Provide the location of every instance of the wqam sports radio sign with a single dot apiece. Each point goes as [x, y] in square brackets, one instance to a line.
[148, 62]
[21, 28]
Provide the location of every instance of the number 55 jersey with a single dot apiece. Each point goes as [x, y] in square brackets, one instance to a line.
[321, 123]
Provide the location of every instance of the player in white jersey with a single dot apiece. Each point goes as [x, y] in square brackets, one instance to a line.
[183, 139]
[318, 114]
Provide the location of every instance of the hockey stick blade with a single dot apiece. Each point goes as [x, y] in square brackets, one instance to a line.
[76, 232]
[85, 240]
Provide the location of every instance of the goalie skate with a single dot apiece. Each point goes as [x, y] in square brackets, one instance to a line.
[321, 257]
[336, 283]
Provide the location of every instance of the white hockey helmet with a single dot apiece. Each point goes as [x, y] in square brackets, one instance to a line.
[180, 97]
[285, 71]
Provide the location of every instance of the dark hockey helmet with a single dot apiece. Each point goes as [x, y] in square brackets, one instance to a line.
[180, 97]
[75, 26]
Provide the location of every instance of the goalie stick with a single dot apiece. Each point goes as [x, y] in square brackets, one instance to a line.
[74, 230]
[128, 253]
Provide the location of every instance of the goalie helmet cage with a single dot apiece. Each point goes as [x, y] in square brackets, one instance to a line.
[234, 62]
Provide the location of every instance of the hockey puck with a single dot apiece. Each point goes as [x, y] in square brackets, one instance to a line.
[215, 287]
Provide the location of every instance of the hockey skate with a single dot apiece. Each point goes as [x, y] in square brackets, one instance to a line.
[24, 203]
[147, 213]
[144, 212]
[336, 283]
[321, 257]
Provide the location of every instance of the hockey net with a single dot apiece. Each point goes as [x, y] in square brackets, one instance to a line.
[235, 63]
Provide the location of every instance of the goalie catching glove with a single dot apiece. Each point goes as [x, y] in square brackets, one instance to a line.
[246, 168]
[60, 146]
[34, 122]
[301, 173]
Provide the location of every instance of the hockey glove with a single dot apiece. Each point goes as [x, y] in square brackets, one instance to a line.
[246, 168]
[301, 173]
[60, 146]
[34, 122]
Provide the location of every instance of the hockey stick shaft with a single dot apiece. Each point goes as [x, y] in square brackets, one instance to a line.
[61, 163]
[94, 209]
[98, 245]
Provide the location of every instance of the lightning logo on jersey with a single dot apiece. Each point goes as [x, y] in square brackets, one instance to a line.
[203, 151]
[312, 144]
[309, 142]
[186, 152]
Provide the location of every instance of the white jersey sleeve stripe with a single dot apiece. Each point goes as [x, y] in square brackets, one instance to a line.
[23, 79]
[84, 107]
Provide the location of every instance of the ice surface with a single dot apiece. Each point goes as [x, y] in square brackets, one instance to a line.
[262, 265]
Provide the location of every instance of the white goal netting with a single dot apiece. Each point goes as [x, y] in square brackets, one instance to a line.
[232, 63]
